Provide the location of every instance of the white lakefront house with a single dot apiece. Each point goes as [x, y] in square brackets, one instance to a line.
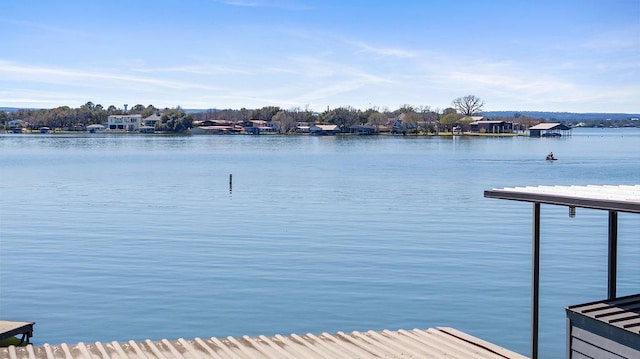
[124, 122]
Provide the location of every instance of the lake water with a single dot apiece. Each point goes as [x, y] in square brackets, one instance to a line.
[119, 237]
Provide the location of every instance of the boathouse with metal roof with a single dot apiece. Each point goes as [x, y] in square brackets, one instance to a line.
[549, 129]
[605, 329]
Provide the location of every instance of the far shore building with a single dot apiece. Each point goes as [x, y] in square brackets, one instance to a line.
[324, 130]
[549, 129]
[149, 123]
[124, 123]
[304, 129]
[481, 124]
[16, 126]
[474, 118]
[256, 127]
[363, 130]
[96, 128]
[215, 127]
[399, 126]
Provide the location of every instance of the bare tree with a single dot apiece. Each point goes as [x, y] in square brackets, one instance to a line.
[286, 120]
[468, 105]
[377, 119]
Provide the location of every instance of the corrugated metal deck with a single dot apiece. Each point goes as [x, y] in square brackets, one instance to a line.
[416, 343]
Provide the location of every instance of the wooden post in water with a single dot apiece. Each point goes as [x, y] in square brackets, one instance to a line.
[230, 182]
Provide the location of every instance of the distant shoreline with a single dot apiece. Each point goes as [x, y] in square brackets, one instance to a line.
[119, 133]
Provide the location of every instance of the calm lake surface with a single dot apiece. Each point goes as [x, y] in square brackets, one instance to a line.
[119, 237]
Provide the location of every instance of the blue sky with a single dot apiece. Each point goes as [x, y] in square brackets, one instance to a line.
[571, 55]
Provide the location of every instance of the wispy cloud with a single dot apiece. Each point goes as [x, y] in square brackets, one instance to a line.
[507, 76]
[196, 70]
[280, 4]
[622, 39]
[509, 85]
[384, 51]
[19, 72]
[43, 98]
[316, 68]
[39, 26]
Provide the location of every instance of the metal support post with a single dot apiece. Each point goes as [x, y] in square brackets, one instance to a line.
[535, 281]
[613, 254]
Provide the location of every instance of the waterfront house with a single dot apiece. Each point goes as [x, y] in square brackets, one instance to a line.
[473, 119]
[324, 130]
[399, 126]
[16, 126]
[147, 129]
[549, 129]
[96, 128]
[490, 126]
[128, 123]
[152, 120]
[78, 126]
[149, 123]
[16, 123]
[363, 130]
[383, 128]
[303, 128]
[256, 127]
[215, 127]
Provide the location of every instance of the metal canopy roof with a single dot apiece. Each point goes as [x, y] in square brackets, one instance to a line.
[550, 126]
[614, 199]
[611, 198]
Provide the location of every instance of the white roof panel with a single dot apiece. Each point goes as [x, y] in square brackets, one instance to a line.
[622, 198]
[545, 126]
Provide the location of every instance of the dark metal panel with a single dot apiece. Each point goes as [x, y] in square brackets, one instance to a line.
[596, 340]
[576, 355]
[589, 350]
[614, 320]
[568, 339]
[623, 312]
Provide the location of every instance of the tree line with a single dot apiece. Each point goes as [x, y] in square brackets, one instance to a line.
[413, 118]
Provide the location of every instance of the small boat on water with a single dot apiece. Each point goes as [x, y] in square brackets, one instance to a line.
[550, 157]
